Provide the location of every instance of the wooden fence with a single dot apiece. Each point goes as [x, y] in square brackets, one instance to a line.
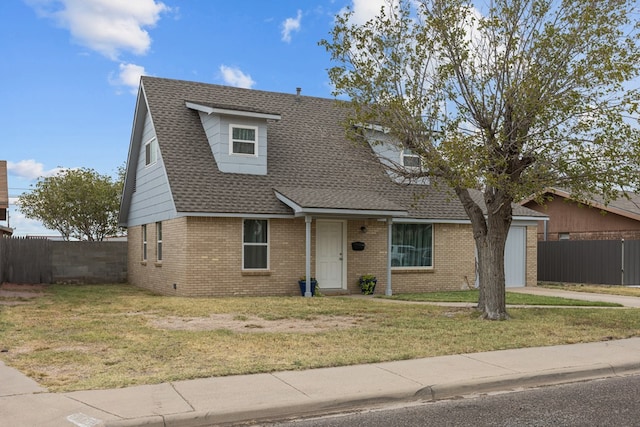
[25, 260]
[607, 262]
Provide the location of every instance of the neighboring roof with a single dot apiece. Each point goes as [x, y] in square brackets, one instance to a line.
[311, 163]
[6, 231]
[623, 206]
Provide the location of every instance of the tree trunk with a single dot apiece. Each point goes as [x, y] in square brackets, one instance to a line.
[490, 231]
[491, 271]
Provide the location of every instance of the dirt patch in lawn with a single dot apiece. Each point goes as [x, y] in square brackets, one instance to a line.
[252, 324]
[17, 293]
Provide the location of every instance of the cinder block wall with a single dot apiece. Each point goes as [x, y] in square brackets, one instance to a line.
[89, 262]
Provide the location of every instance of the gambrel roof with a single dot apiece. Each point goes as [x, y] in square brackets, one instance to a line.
[311, 164]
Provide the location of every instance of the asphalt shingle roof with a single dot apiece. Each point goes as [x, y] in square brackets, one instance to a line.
[309, 158]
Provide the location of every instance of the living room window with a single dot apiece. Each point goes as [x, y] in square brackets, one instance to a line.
[150, 152]
[412, 245]
[244, 140]
[255, 244]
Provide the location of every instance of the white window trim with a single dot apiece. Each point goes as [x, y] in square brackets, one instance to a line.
[419, 267]
[145, 246]
[255, 143]
[159, 246]
[257, 244]
[153, 152]
[402, 157]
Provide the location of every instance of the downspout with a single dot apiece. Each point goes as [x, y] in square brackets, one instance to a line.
[307, 292]
[388, 292]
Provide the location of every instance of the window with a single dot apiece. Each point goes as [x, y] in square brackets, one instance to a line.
[412, 245]
[159, 240]
[564, 236]
[410, 160]
[255, 244]
[144, 243]
[244, 140]
[150, 152]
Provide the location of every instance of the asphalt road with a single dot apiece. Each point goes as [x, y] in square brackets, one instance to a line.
[607, 402]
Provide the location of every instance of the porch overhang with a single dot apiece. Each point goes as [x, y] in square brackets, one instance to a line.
[338, 203]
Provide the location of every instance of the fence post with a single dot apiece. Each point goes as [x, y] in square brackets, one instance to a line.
[622, 263]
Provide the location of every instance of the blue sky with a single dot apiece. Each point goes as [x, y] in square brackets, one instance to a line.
[70, 70]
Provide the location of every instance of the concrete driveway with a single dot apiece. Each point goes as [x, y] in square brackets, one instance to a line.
[633, 302]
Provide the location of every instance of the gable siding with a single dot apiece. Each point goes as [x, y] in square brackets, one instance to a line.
[216, 128]
[389, 154]
[152, 200]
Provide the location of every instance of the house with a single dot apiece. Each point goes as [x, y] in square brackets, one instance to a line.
[571, 220]
[232, 191]
[4, 200]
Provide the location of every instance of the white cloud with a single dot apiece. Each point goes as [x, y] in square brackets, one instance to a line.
[290, 25]
[129, 76]
[235, 77]
[105, 26]
[30, 169]
[364, 10]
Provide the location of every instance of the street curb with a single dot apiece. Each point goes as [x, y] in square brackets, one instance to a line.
[430, 393]
[529, 380]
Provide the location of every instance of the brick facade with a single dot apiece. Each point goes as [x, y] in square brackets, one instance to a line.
[203, 257]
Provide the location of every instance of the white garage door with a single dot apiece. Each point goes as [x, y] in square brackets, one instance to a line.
[515, 257]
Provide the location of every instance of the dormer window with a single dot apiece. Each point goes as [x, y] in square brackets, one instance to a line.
[410, 159]
[244, 140]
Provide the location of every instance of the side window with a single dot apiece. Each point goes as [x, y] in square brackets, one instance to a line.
[150, 152]
[144, 243]
[159, 240]
[412, 245]
[244, 140]
[255, 244]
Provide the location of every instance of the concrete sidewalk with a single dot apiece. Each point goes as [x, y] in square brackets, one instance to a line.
[220, 400]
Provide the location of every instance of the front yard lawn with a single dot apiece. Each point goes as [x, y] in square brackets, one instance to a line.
[94, 337]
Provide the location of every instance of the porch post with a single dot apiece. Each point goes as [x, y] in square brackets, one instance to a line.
[388, 291]
[307, 221]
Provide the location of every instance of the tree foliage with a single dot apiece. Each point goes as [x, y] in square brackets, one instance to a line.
[78, 203]
[503, 96]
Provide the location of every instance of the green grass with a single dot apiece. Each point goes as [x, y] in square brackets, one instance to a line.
[513, 298]
[94, 337]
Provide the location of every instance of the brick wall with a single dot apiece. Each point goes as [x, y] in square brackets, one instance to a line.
[595, 235]
[159, 276]
[371, 260]
[203, 257]
[453, 263]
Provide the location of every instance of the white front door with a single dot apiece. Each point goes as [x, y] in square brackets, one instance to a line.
[330, 254]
